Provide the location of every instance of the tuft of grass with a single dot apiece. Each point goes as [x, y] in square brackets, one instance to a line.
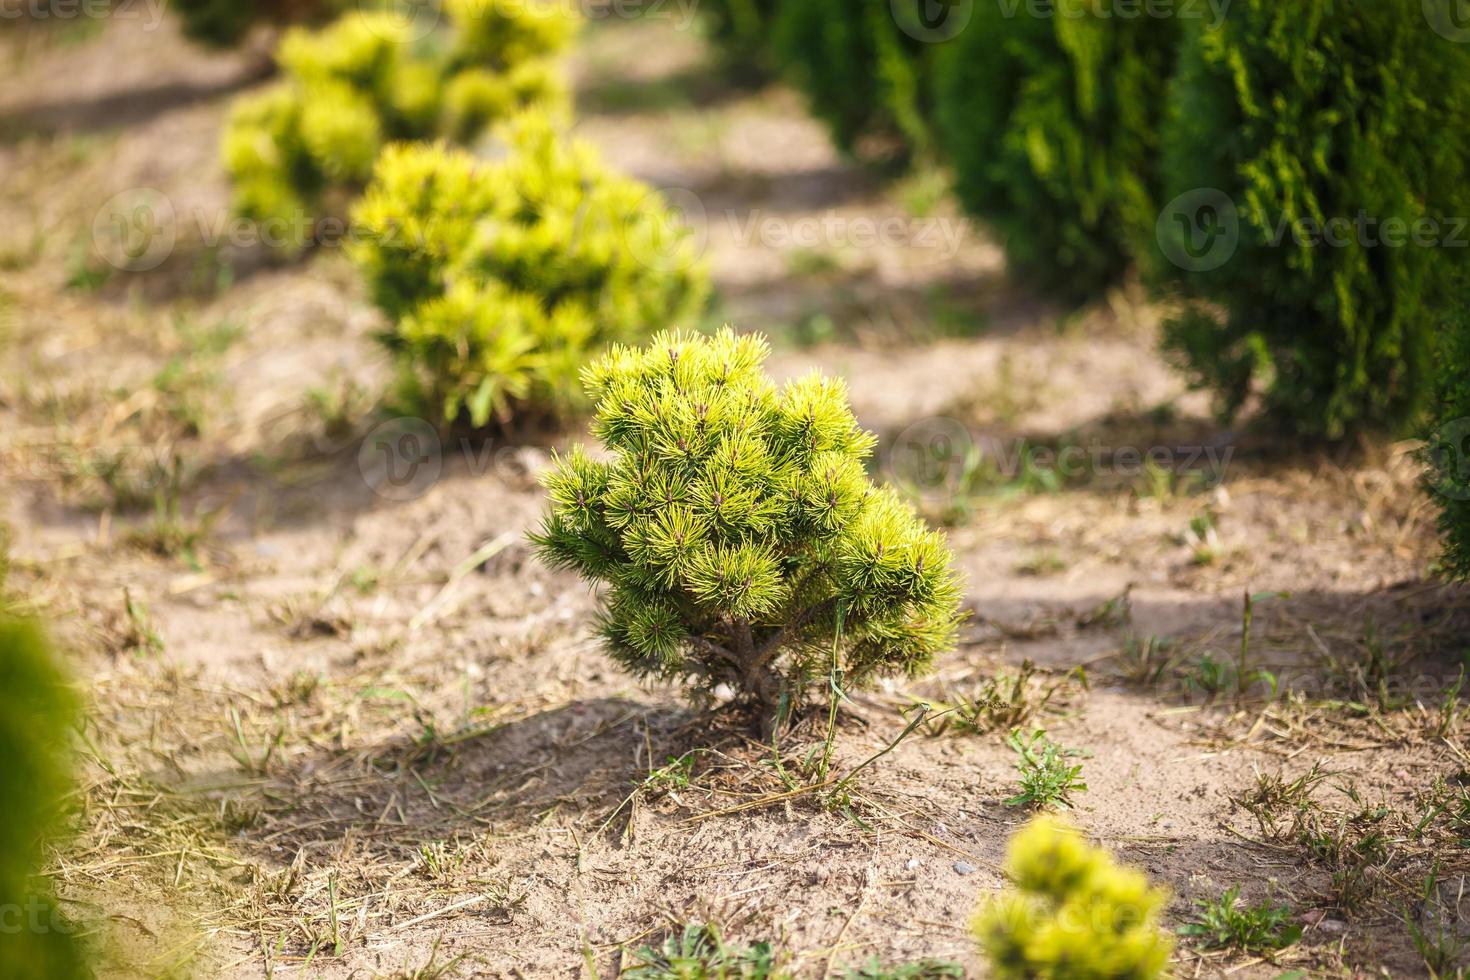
[1273, 795]
[698, 952]
[1004, 702]
[1048, 779]
[1147, 661]
[1228, 923]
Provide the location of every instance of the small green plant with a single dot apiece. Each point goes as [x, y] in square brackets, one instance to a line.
[699, 952]
[737, 531]
[1227, 922]
[1074, 912]
[500, 279]
[299, 150]
[1047, 778]
[36, 714]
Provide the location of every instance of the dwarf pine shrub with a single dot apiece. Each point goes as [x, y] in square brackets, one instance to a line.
[1074, 913]
[736, 531]
[499, 278]
[302, 147]
[1315, 154]
[1052, 127]
[864, 76]
[35, 718]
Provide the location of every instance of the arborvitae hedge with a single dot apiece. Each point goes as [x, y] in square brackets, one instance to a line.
[500, 279]
[36, 711]
[303, 147]
[736, 531]
[1074, 913]
[1052, 127]
[222, 23]
[1449, 444]
[741, 28]
[1292, 117]
[864, 76]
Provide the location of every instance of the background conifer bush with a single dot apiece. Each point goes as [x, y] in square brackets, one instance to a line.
[1301, 114]
[304, 146]
[1051, 125]
[499, 279]
[36, 712]
[863, 75]
[1073, 912]
[1449, 443]
[736, 531]
[224, 23]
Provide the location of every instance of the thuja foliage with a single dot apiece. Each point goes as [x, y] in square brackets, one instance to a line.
[741, 28]
[298, 149]
[1052, 127]
[500, 278]
[864, 75]
[737, 532]
[223, 23]
[36, 711]
[1074, 913]
[1332, 128]
[1449, 443]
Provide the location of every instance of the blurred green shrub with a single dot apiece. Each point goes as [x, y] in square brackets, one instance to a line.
[36, 712]
[1051, 125]
[500, 278]
[1449, 443]
[1074, 913]
[223, 23]
[864, 75]
[737, 531]
[741, 28]
[1305, 143]
[303, 147]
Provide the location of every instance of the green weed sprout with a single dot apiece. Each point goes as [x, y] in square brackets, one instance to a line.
[1047, 778]
[499, 279]
[302, 148]
[36, 711]
[737, 533]
[1226, 922]
[1074, 914]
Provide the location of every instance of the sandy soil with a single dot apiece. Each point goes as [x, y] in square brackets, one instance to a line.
[341, 730]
